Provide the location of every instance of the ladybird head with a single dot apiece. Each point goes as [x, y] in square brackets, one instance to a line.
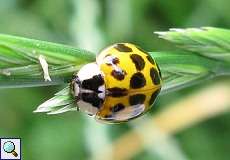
[88, 88]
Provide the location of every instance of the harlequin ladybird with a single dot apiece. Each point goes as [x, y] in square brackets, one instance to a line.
[121, 85]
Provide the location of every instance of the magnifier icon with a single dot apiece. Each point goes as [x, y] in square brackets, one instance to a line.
[9, 147]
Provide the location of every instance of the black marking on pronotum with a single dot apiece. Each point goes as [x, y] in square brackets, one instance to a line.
[117, 92]
[122, 48]
[154, 96]
[150, 59]
[137, 80]
[118, 107]
[93, 83]
[137, 99]
[154, 76]
[159, 70]
[92, 98]
[119, 75]
[138, 61]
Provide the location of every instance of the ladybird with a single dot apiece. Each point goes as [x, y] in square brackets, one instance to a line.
[121, 85]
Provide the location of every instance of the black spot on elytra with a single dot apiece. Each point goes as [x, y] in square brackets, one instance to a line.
[118, 107]
[154, 96]
[92, 98]
[150, 59]
[138, 61]
[119, 75]
[93, 83]
[117, 92]
[159, 70]
[122, 48]
[137, 99]
[115, 60]
[154, 76]
[137, 80]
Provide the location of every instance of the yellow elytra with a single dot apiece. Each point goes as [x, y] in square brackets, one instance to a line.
[138, 75]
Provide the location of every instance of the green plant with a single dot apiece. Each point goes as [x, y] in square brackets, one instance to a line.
[20, 66]
[204, 53]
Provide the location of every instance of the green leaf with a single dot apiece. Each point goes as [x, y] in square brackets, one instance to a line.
[61, 102]
[207, 41]
[182, 69]
[20, 66]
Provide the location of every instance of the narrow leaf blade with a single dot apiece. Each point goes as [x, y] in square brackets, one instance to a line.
[208, 41]
[20, 67]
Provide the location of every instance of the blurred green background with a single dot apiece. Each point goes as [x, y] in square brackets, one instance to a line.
[93, 25]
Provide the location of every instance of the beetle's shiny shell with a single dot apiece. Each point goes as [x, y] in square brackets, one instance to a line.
[131, 81]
